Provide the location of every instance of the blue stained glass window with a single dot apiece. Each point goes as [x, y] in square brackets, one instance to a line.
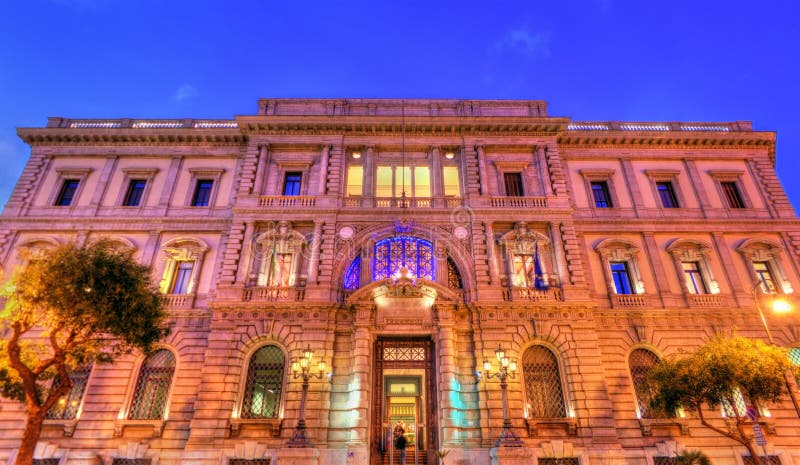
[353, 274]
[395, 252]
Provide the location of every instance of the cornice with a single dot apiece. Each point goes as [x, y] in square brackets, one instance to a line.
[394, 125]
[131, 136]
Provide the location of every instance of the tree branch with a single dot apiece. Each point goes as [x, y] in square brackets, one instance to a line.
[15, 361]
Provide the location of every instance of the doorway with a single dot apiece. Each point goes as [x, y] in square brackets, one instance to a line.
[404, 397]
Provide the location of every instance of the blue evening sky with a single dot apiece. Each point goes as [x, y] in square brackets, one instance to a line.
[590, 60]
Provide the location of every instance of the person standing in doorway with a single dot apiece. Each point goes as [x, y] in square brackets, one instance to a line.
[400, 443]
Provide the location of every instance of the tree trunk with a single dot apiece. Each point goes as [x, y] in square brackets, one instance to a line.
[33, 429]
[753, 453]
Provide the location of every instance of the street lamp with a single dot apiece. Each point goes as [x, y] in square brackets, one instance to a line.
[778, 306]
[508, 369]
[301, 368]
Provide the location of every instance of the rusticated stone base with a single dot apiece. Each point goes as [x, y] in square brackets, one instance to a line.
[510, 455]
[298, 456]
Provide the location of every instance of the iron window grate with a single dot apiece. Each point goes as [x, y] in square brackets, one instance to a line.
[542, 383]
[640, 362]
[262, 395]
[152, 388]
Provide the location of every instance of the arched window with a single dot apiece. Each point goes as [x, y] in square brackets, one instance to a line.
[67, 406]
[262, 392]
[640, 362]
[453, 276]
[152, 388]
[394, 253]
[352, 277]
[542, 383]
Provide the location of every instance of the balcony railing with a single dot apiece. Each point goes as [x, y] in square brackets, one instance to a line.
[179, 300]
[519, 202]
[705, 300]
[629, 300]
[553, 294]
[273, 294]
[286, 201]
[399, 202]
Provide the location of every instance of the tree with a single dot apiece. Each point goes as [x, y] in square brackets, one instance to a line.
[693, 457]
[716, 375]
[68, 308]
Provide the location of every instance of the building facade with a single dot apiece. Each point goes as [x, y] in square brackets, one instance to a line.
[476, 271]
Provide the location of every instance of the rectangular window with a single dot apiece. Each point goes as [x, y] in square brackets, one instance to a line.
[383, 182]
[67, 192]
[732, 194]
[602, 199]
[202, 193]
[291, 184]
[621, 277]
[667, 194]
[764, 276]
[422, 181]
[402, 181]
[135, 190]
[452, 186]
[182, 277]
[355, 180]
[693, 278]
[513, 182]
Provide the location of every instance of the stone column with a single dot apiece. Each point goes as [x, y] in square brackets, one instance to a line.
[369, 177]
[313, 262]
[739, 290]
[633, 186]
[437, 182]
[261, 169]
[559, 256]
[447, 383]
[494, 270]
[657, 264]
[102, 184]
[361, 372]
[484, 188]
[169, 184]
[323, 169]
[246, 253]
[541, 164]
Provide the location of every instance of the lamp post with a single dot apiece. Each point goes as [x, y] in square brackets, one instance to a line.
[508, 369]
[301, 368]
[778, 306]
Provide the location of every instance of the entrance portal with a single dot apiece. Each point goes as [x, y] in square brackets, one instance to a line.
[404, 399]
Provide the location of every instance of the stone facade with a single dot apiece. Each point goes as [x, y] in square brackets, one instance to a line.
[402, 242]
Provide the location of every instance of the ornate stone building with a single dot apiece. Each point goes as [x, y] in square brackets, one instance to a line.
[401, 243]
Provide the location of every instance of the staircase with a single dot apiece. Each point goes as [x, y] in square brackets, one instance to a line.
[422, 459]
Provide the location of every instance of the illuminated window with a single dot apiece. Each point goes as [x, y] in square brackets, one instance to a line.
[352, 277]
[621, 277]
[453, 276]
[383, 182]
[394, 253]
[764, 277]
[151, 394]
[67, 192]
[135, 191]
[202, 193]
[738, 406]
[393, 181]
[542, 384]
[640, 362]
[694, 278]
[422, 181]
[264, 383]
[452, 185]
[182, 277]
[67, 407]
[355, 180]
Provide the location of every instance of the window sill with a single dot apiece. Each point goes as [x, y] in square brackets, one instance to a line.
[157, 426]
[570, 425]
[68, 425]
[273, 425]
[647, 424]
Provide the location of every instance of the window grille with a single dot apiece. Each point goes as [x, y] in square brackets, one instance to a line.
[264, 461]
[794, 355]
[152, 388]
[50, 461]
[404, 353]
[67, 407]
[120, 461]
[403, 251]
[453, 276]
[768, 460]
[262, 395]
[665, 460]
[559, 461]
[739, 402]
[640, 362]
[352, 277]
[542, 384]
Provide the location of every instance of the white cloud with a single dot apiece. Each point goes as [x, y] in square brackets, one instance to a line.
[185, 92]
[523, 40]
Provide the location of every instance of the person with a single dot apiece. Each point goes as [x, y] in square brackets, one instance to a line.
[400, 442]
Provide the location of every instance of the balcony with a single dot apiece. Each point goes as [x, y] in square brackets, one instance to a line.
[178, 300]
[704, 300]
[273, 294]
[628, 300]
[514, 294]
[518, 202]
[286, 201]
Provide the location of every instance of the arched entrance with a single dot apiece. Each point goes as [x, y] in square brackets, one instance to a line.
[404, 392]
